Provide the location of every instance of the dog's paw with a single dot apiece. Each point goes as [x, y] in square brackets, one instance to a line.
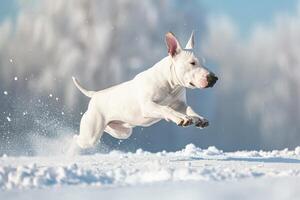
[201, 122]
[186, 121]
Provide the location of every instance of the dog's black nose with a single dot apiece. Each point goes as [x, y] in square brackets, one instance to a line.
[211, 79]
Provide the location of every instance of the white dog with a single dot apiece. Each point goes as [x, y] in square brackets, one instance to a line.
[155, 94]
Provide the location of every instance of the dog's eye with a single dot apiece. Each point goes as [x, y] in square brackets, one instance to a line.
[193, 63]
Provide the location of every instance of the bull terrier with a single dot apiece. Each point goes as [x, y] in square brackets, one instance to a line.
[154, 94]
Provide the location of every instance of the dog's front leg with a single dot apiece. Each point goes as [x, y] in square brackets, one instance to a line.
[154, 110]
[198, 120]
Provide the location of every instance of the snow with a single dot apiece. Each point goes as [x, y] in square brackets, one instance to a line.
[198, 170]
[8, 119]
[283, 189]
[5, 93]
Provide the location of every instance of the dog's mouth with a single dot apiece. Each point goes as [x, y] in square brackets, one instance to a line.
[195, 86]
[192, 84]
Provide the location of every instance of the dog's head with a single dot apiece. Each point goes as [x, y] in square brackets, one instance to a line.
[190, 72]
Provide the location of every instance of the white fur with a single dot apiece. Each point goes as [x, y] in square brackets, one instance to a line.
[155, 94]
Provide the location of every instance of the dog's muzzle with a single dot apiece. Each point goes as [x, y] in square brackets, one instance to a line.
[211, 79]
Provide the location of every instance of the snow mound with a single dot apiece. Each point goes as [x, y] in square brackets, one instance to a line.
[119, 169]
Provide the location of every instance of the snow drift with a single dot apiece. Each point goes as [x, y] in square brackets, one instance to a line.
[124, 169]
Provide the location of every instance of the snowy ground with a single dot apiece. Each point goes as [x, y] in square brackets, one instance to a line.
[192, 173]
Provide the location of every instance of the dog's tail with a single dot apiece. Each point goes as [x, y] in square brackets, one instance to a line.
[83, 90]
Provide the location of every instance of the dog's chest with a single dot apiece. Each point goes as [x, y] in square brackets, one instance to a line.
[168, 96]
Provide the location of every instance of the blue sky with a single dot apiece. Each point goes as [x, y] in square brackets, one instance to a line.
[248, 13]
[244, 13]
[8, 9]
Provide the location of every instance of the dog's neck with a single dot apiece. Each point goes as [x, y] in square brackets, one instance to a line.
[173, 78]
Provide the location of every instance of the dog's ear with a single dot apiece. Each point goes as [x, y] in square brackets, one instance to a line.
[190, 43]
[173, 45]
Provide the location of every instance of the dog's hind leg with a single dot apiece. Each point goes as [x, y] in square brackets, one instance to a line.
[91, 129]
[118, 130]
